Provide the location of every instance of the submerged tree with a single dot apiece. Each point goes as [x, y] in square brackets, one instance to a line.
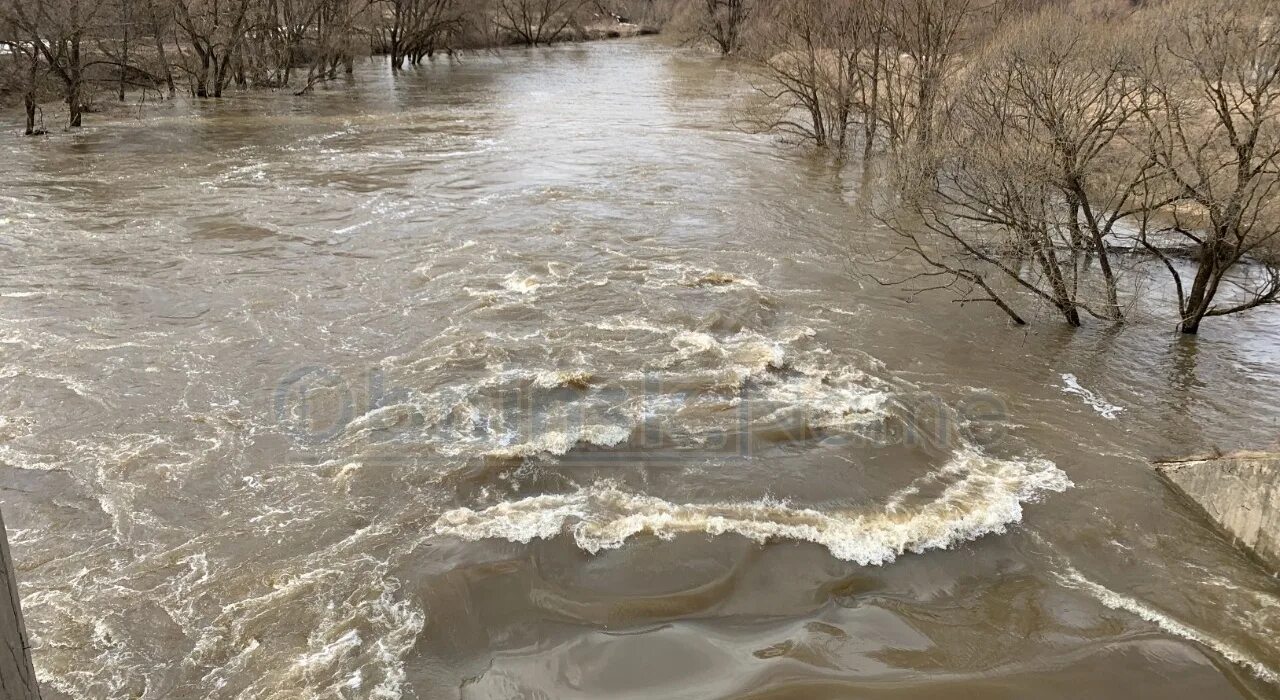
[1027, 178]
[58, 31]
[535, 22]
[215, 31]
[1214, 83]
[820, 66]
[21, 75]
[415, 29]
[721, 23]
[806, 53]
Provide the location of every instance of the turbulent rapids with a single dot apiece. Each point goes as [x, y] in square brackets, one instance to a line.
[384, 393]
[982, 496]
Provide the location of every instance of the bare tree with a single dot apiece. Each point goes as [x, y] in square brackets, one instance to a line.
[215, 30]
[418, 28]
[124, 9]
[722, 23]
[21, 75]
[58, 30]
[1029, 175]
[1214, 80]
[535, 22]
[159, 19]
[806, 54]
[926, 40]
[332, 41]
[871, 26]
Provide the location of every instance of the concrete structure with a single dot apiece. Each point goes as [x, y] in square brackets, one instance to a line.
[1240, 492]
[17, 677]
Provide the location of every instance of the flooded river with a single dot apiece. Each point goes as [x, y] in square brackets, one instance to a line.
[529, 376]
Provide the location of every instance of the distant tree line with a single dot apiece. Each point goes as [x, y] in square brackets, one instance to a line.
[1064, 152]
[75, 49]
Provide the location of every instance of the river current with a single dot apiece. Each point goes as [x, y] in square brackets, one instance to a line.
[530, 376]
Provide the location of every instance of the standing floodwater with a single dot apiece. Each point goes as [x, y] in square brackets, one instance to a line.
[529, 376]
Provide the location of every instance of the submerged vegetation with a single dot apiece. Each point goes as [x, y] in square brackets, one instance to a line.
[77, 49]
[1058, 153]
[1063, 152]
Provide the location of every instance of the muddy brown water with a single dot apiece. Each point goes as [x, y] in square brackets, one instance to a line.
[529, 376]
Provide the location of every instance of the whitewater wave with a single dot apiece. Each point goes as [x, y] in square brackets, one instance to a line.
[706, 385]
[660, 275]
[715, 278]
[521, 284]
[572, 379]
[985, 497]
[1072, 578]
[1071, 385]
[559, 442]
[745, 352]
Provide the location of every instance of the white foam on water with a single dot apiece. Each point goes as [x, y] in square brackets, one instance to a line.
[521, 284]
[742, 356]
[986, 498]
[715, 279]
[828, 400]
[700, 370]
[554, 379]
[661, 275]
[1071, 385]
[329, 653]
[559, 442]
[1072, 578]
[364, 633]
[626, 323]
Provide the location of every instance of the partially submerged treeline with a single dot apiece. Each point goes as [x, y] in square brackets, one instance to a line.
[1060, 151]
[72, 50]
[1063, 152]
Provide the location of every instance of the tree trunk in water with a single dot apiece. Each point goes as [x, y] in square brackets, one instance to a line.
[202, 78]
[29, 97]
[1202, 290]
[73, 102]
[124, 52]
[1197, 307]
[29, 102]
[168, 71]
[164, 60]
[924, 118]
[219, 75]
[1047, 260]
[873, 107]
[73, 85]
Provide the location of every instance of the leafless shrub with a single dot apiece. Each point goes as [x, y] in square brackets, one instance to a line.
[535, 22]
[719, 23]
[806, 54]
[1213, 76]
[1028, 175]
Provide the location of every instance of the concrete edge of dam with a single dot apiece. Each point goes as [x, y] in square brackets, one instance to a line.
[1240, 492]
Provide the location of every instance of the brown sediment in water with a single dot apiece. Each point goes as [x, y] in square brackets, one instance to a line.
[223, 457]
